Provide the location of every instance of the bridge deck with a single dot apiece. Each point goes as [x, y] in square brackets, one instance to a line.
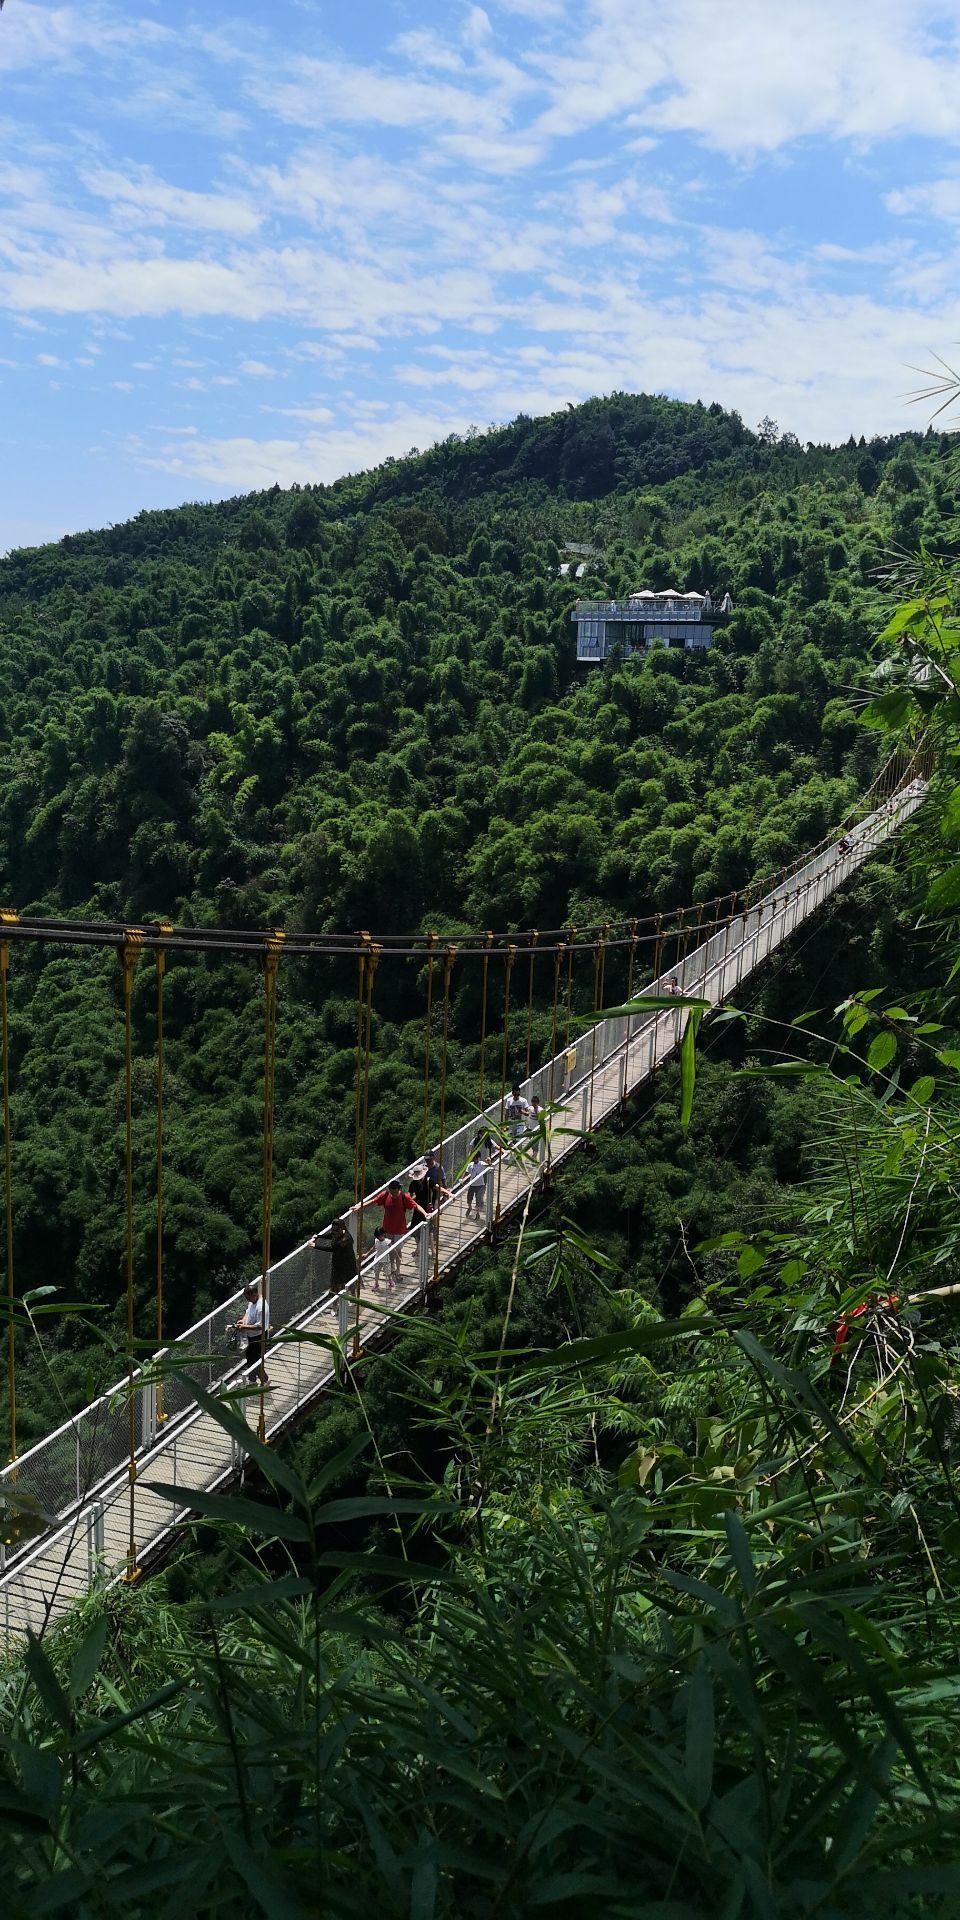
[190, 1450]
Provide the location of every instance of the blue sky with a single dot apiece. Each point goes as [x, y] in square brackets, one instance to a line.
[244, 242]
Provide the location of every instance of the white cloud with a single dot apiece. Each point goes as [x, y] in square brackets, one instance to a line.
[318, 93]
[61, 36]
[935, 199]
[257, 370]
[144, 200]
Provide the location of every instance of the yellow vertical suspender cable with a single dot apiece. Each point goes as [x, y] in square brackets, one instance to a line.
[632, 958]
[8, 1200]
[362, 961]
[657, 964]
[683, 933]
[450, 954]
[129, 955]
[599, 978]
[631, 962]
[358, 1071]
[271, 963]
[571, 937]
[160, 961]
[487, 941]
[508, 960]
[373, 955]
[427, 1025]
[534, 937]
[557, 959]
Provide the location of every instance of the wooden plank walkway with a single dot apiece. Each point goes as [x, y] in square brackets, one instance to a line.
[192, 1451]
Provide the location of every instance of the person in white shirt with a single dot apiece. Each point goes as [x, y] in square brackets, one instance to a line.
[517, 1113]
[537, 1130]
[477, 1184]
[382, 1260]
[252, 1325]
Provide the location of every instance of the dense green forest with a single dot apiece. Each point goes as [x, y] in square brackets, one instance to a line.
[359, 706]
[626, 1579]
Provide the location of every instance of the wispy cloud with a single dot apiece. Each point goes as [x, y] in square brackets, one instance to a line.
[140, 199]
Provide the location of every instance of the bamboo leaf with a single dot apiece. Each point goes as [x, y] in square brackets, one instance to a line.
[235, 1511]
[688, 1066]
[86, 1661]
[47, 1684]
[698, 1756]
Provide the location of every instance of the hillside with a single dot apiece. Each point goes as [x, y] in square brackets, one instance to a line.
[359, 706]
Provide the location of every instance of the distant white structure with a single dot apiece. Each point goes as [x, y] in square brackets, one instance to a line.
[672, 618]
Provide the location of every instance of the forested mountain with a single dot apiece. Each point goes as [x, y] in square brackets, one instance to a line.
[359, 705]
[261, 710]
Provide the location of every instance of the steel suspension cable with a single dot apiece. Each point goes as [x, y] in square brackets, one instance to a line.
[129, 955]
[8, 1199]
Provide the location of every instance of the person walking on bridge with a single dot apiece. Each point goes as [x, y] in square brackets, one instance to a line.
[517, 1113]
[253, 1325]
[343, 1257]
[436, 1183]
[420, 1188]
[477, 1173]
[396, 1205]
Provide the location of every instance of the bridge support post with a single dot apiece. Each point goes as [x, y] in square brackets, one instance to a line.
[623, 1079]
[148, 1414]
[424, 1261]
[488, 1202]
[95, 1539]
[343, 1312]
[584, 1104]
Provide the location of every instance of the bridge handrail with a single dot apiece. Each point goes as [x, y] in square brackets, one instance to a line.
[594, 1048]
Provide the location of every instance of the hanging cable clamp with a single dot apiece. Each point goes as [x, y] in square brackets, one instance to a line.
[164, 928]
[272, 951]
[129, 955]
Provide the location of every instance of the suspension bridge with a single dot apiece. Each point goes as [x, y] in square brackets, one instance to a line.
[86, 1491]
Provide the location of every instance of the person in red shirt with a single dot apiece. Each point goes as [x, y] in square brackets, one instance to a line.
[396, 1205]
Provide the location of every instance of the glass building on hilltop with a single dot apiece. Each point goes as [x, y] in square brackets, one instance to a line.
[628, 626]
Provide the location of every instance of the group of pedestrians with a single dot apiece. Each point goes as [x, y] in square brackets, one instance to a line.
[408, 1212]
